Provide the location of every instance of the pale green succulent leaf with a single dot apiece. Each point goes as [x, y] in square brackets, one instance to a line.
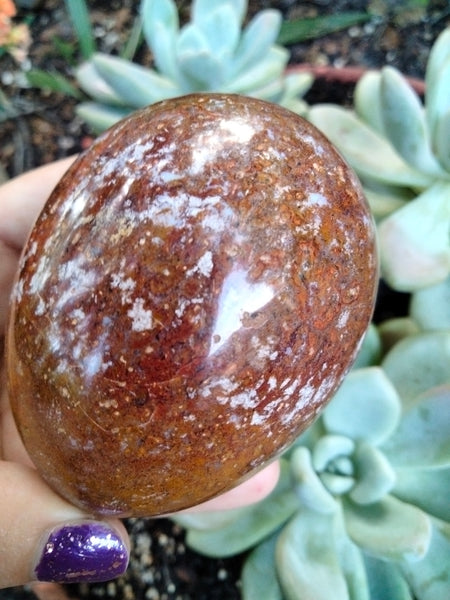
[161, 27]
[271, 92]
[428, 489]
[415, 241]
[442, 139]
[100, 117]
[221, 28]
[422, 438]
[329, 448]
[307, 485]
[386, 580]
[297, 84]
[430, 577]
[405, 124]
[258, 36]
[417, 364]
[263, 73]
[353, 568]
[207, 521]
[306, 558]
[430, 307]
[374, 475]
[382, 204]
[254, 524]
[197, 62]
[367, 100]
[95, 86]
[365, 407]
[202, 8]
[437, 92]
[367, 152]
[393, 330]
[370, 352]
[388, 529]
[136, 85]
[259, 577]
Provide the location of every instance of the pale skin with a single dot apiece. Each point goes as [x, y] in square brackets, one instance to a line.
[29, 509]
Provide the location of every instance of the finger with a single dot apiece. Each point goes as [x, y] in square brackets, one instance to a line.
[22, 199]
[42, 537]
[253, 490]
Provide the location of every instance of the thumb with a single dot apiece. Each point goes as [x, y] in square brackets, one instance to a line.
[43, 537]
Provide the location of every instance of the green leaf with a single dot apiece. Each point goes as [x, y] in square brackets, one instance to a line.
[299, 30]
[221, 28]
[437, 94]
[197, 62]
[374, 475]
[405, 123]
[310, 490]
[418, 363]
[365, 407]
[53, 82]
[135, 84]
[259, 576]
[383, 203]
[259, 35]
[269, 68]
[367, 100]
[367, 152]
[307, 563]
[393, 330]
[255, 523]
[386, 580]
[353, 568]
[202, 8]
[389, 529]
[429, 307]
[422, 438]
[442, 139]
[100, 116]
[161, 27]
[95, 86]
[428, 489]
[79, 14]
[430, 577]
[415, 241]
[370, 352]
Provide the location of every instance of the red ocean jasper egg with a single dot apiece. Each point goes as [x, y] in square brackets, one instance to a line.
[192, 294]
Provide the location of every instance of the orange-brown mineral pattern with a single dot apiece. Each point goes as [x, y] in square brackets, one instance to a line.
[192, 293]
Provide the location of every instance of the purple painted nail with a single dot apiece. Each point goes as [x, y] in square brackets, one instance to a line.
[82, 552]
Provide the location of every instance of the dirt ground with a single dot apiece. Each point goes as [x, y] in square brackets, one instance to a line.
[45, 128]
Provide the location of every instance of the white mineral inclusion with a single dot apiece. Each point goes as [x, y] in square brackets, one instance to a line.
[237, 297]
[142, 319]
[206, 147]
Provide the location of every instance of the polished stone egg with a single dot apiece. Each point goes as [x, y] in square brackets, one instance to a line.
[192, 294]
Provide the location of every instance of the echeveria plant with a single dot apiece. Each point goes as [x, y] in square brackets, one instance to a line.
[401, 151]
[210, 53]
[361, 511]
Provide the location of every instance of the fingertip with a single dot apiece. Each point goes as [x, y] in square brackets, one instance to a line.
[43, 537]
[84, 551]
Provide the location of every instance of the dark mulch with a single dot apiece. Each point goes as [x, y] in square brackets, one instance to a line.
[46, 128]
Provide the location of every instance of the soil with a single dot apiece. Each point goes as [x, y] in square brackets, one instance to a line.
[46, 128]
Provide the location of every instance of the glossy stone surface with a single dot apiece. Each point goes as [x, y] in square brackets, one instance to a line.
[191, 295]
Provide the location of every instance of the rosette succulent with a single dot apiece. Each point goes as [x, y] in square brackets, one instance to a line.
[361, 511]
[401, 152]
[210, 53]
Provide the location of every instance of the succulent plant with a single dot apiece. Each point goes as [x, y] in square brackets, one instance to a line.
[401, 152]
[361, 510]
[210, 53]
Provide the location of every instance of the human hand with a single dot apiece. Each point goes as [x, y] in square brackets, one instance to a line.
[43, 537]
